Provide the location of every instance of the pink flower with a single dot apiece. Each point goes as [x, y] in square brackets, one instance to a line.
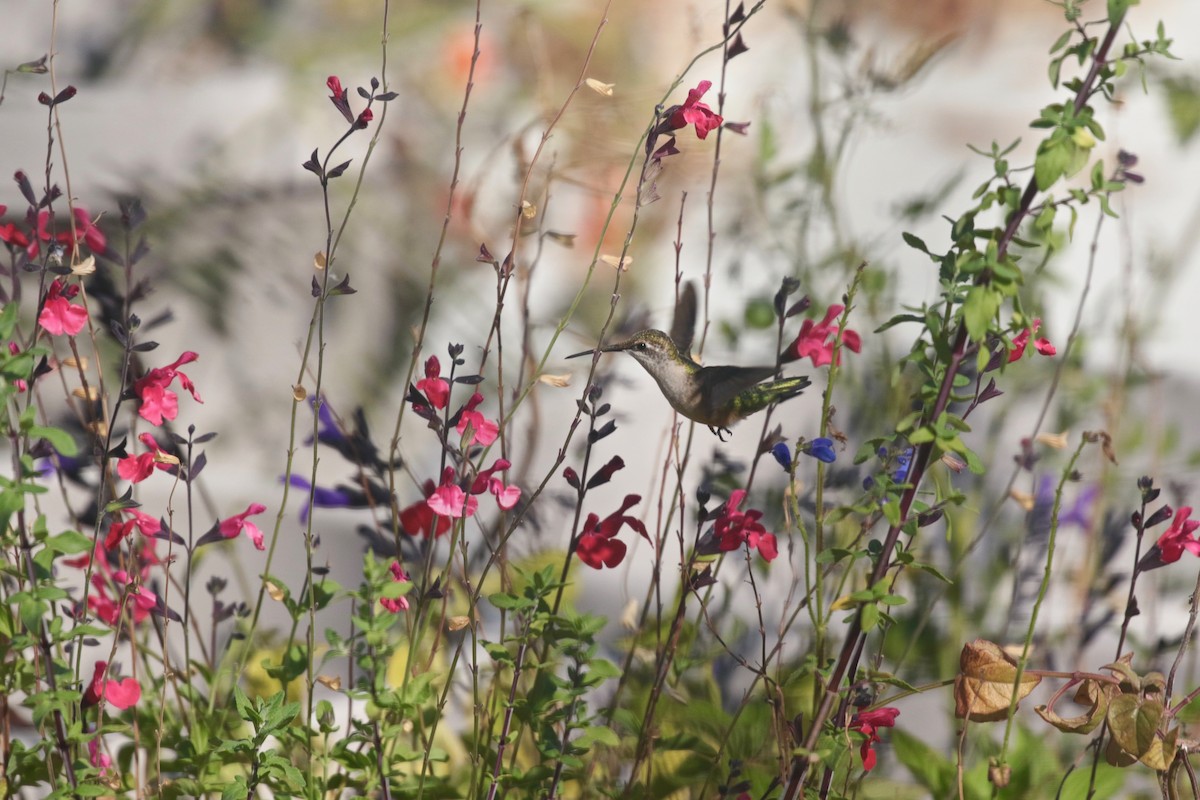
[14, 237]
[734, 528]
[693, 112]
[869, 723]
[811, 341]
[364, 118]
[85, 232]
[234, 525]
[418, 518]
[483, 430]
[158, 401]
[136, 469]
[101, 761]
[400, 603]
[435, 387]
[1020, 341]
[121, 694]
[58, 315]
[506, 496]
[449, 500]
[598, 546]
[117, 531]
[1178, 537]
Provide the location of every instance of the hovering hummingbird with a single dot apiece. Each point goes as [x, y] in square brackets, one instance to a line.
[715, 396]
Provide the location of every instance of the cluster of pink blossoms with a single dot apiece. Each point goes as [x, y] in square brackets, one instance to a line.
[454, 497]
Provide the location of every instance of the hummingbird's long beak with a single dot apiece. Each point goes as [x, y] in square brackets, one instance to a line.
[611, 348]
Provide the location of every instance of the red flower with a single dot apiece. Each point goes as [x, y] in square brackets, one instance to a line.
[365, 117]
[693, 112]
[85, 232]
[435, 388]
[339, 97]
[419, 517]
[449, 500]
[869, 723]
[734, 528]
[1178, 537]
[122, 694]
[117, 532]
[58, 315]
[13, 236]
[811, 341]
[483, 430]
[1020, 341]
[234, 525]
[400, 603]
[598, 546]
[159, 402]
[136, 469]
[506, 496]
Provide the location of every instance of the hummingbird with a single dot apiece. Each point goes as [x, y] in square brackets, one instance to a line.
[714, 396]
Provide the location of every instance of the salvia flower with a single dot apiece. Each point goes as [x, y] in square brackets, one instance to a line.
[734, 528]
[59, 315]
[482, 430]
[418, 518]
[1021, 341]
[693, 112]
[598, 545]
[813, 341]
[158, 401]
[119, 530]
[234, 525]
[121, 694]
[85, 231]
[1172, 544]
[821, 449]
[868, 723]
[136, 469]
[398, 604]
[435, 388]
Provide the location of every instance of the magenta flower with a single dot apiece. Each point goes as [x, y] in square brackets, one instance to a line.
[483, 430]
[234, 525]
[598, 546]
[1171, 545]
[435, 387]
[693, 112]
[121, 694]
[449, 500]
[734, 528]
[58, 315]
[869, 723]
[811, 341]
[400, 603]
[118, 531]
[136, 469]
[418, 518]
[101, 761]
[158, 401]
[85, 232]
[506, 496]
[1021, 340]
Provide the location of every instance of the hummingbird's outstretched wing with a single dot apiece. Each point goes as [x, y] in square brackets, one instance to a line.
[683, 324]
[724, 383]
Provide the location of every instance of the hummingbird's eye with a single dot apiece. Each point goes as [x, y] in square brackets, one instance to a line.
[640, 345]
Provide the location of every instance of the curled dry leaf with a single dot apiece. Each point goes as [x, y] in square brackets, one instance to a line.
[319, 260]
[620, 263]
[299, 393]
[1091, 694]
[983, 688]
[333, 682]
[85, 267]
[605, 89]
[557, 381]
[1024, 499]
[457, 623]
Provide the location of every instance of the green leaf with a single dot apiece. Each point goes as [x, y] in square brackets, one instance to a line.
[915, 242]
[1117, 9]
[60, 440]
[979, 310]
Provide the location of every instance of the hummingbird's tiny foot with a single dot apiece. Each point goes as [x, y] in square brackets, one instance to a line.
[718, 432]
